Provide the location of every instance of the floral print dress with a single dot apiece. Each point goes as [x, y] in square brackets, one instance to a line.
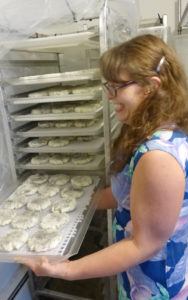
[165, 276]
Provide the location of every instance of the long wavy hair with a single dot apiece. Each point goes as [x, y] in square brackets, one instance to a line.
[163, 106]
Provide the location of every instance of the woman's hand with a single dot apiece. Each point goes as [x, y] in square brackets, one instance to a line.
[44, 268]
[106, 199]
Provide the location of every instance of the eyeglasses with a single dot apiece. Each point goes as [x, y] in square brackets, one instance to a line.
[112, 90]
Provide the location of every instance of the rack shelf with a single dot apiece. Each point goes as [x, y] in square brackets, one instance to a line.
[93, 165]
[55, 43]
[96, 145]
[82, 75]
[52, 99]
[53, 117]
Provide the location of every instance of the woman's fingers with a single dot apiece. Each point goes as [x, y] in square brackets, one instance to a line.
[40, 268]
[45, 268]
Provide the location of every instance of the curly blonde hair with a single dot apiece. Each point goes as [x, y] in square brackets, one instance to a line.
[167, 104]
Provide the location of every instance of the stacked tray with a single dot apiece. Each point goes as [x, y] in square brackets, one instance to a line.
[79, 98]
[94, 145]
[95, 164]
[55, 43]
[79, 76]
[25, 115]
[50, 99]
[35, 131]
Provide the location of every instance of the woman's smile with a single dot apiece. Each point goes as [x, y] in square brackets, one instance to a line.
[126, 101]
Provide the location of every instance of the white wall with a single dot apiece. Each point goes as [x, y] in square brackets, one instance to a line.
[150, 8]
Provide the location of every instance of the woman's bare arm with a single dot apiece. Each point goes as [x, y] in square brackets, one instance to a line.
[156, 199]
[106, 199]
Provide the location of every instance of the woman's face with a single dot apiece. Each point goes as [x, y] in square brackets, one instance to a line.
[126, 99]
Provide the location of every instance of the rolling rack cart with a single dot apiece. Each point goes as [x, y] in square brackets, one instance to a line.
[23, 93]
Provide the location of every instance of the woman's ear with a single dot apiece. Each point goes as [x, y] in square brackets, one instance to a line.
[156, 81]
[154, 84]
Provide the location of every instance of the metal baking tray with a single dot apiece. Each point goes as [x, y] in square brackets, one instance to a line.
[72, 233]
[35, 131]
[27, 131]
[52, 99]
[52, 43]
[26, 116]
[96, 164]
[81, 75]
[96, 145]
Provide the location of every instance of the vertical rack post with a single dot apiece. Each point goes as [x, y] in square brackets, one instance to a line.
[165, 33]
[5, 122]
[107, 138]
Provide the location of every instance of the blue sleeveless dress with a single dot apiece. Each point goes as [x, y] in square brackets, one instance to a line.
[165, 276]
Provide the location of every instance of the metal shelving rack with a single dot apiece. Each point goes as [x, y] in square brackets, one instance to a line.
[160, 30]
[182, 18]
[41, 51]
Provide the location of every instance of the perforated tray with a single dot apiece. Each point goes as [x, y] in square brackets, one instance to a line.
[95, 164]
[81, 75]
[72, 233]
[36, 131]
[25, 115]
[53, 43]
[94, 145]
[96, 129]
[52, 99]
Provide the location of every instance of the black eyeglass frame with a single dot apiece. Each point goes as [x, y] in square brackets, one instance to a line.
[113, 90]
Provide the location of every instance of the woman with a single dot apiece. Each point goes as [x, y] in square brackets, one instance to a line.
[149, 167]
